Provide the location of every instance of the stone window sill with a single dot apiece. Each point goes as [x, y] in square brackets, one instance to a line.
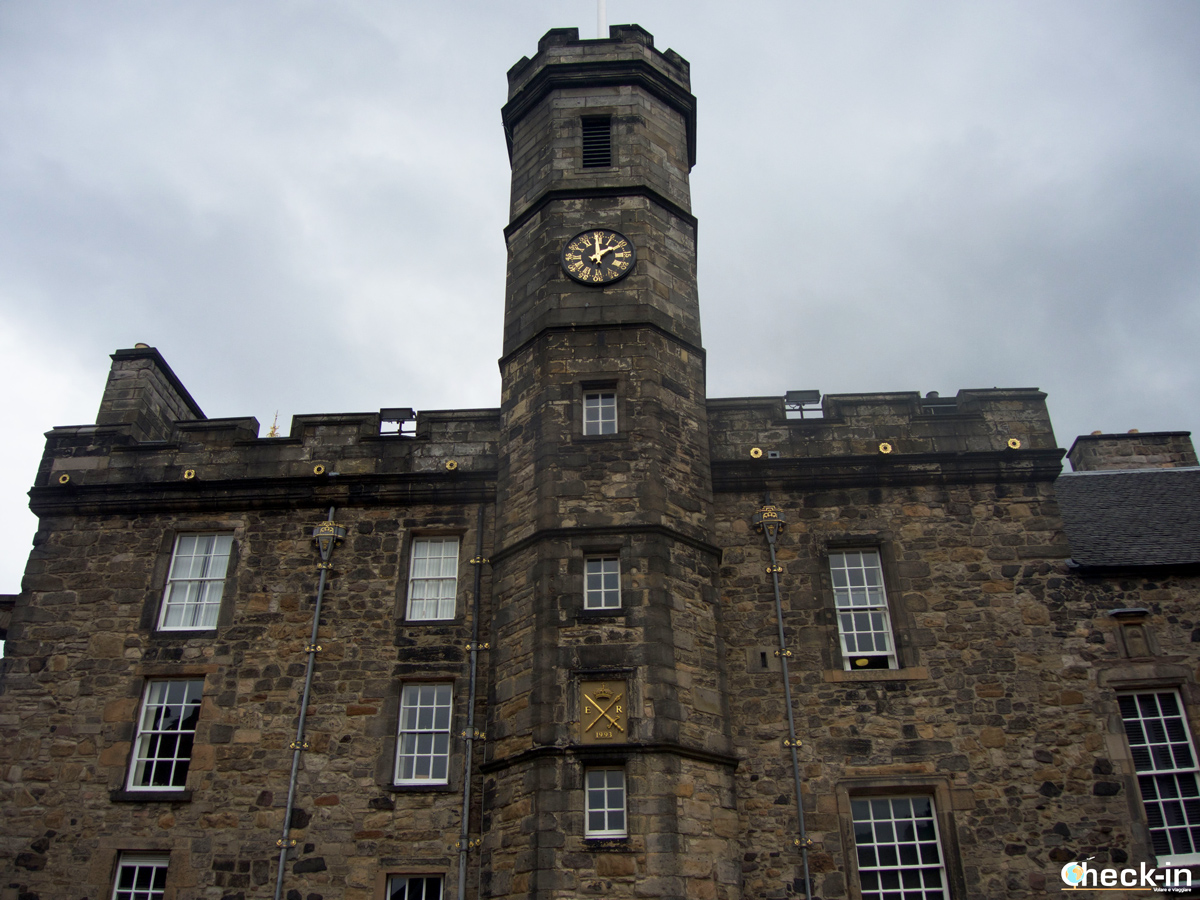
[608, 844]
[173, 635]
[422, 623]
[124, 796]
[913, 673]
[420, 788]
[587, 615]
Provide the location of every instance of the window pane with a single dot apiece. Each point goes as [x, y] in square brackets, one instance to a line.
[1163, 756]
[602, 583]
[166, 732]
[413, 887]
[894, 857]
[141, 876]
[423, 747]
[433, 578]
[864, 625]
[196, 582]
[605, 802]
[600, 413]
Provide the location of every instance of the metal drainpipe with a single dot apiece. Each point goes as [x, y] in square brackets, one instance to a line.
[769, 522]
[464, 841]
[326, 535]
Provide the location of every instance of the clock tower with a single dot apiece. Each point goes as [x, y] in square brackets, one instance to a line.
[609, 764]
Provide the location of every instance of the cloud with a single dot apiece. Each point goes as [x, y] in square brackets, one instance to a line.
[892, 196]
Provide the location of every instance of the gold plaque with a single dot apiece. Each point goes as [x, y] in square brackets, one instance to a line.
[602, 712]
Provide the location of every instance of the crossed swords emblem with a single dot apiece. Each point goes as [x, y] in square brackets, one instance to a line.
[604, 713]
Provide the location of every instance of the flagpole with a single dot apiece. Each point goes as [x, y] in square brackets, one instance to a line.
[601, 20]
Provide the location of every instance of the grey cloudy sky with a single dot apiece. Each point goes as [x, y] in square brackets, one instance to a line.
[300, 203]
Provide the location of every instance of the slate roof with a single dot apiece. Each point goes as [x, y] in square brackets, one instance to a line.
[1139, 517]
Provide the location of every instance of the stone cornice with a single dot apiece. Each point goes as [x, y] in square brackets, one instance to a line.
[619, 750]
[600, 326]
[818, 473]
[558, 534]
[265, 493]
[601, 193]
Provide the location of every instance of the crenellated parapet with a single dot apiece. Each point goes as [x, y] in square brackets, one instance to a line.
[976, 435]
[218, 462]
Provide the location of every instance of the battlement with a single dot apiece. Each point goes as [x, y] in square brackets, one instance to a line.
[1002, 434]
[343, 443]
[559, 45]
[973, 421]
[200, 454]
[594, 77]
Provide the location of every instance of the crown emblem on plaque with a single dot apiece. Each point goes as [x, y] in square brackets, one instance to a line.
[603, 694]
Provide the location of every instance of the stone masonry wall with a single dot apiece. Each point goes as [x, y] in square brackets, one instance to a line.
[653, 471]
[650, 141]
[1153, 450]
[641, 495]
[1001, 710]
[660, 290]
[143, 394]
[82, 647]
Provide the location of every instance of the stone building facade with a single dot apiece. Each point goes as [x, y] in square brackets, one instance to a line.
[612, 638]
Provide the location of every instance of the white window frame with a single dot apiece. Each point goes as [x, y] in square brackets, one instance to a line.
[861, 608]
[886, 854]
[166, 733]
[398, 887]
[139, 864]
[433, 579]
[423, 735]
[1164, 758]
[605, 808]
[195, 582]
[599, 412]
[602, 582]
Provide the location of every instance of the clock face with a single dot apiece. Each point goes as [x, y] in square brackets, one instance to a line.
[598, 256]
